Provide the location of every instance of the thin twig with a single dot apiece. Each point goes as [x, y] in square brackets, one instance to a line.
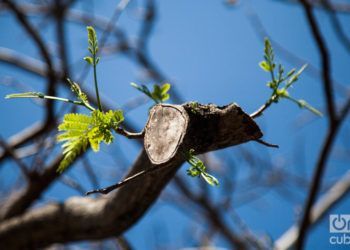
[12, 154]
[325, 60]
[130, 135]
[134, 177]
[266, 143]
[44, 51]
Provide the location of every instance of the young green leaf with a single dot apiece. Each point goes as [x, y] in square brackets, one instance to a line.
[265, 66]
[93, 60]
[75, 88]
[26, 95]
[211, 180]
[199, 169]
[304, 104]
[295, 77]
[158, 95]
[288, 79]
[89, 60]
[142, 88]
[76, 128]
[165, 88]
[81, 131]
[92, 40]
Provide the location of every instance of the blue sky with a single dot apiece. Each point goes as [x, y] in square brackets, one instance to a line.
[210, 52]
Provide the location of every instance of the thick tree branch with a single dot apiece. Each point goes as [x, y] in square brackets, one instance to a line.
[18, 202]
[85, 218]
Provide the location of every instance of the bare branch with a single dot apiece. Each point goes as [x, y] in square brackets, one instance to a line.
[12, 154]
[325, 60]
[331, 198]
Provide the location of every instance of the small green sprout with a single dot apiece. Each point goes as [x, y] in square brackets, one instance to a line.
[199, 169]
[93, 59]
[278, 91]
[158, 95]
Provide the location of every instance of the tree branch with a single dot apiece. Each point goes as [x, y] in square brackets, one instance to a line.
[331, 198]
[86, 218]
[325, 60]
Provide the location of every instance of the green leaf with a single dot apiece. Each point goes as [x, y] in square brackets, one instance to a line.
[290, 73]
[282, 92]
[76, 128]
[199, 169]
[92, 39]
[25, 95]
[159, 93]
[269, 55]
[89, 60]
[272, 85]
[304, 104]
[193, 172]
[295, 77]
[142, 89]
[265, 66]
[80, 131]
[75, 88]
[165, 88]
[211, 180]
[165, 97]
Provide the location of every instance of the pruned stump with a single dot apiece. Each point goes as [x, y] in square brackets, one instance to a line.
[174, 129]
[164, 132]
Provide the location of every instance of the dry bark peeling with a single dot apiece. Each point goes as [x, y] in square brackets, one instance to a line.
[169, 132]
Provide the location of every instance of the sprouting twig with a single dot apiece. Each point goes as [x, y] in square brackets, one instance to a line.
[130, 135]
[260, 111]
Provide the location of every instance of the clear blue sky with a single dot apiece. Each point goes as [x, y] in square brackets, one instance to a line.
[210, 52]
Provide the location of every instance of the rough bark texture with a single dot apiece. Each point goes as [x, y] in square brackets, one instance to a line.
[215, 127]
[208, 128]
[173, 129]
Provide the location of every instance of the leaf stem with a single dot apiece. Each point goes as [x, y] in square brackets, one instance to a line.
[42, 96]
[96, 84]
[68, 100]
